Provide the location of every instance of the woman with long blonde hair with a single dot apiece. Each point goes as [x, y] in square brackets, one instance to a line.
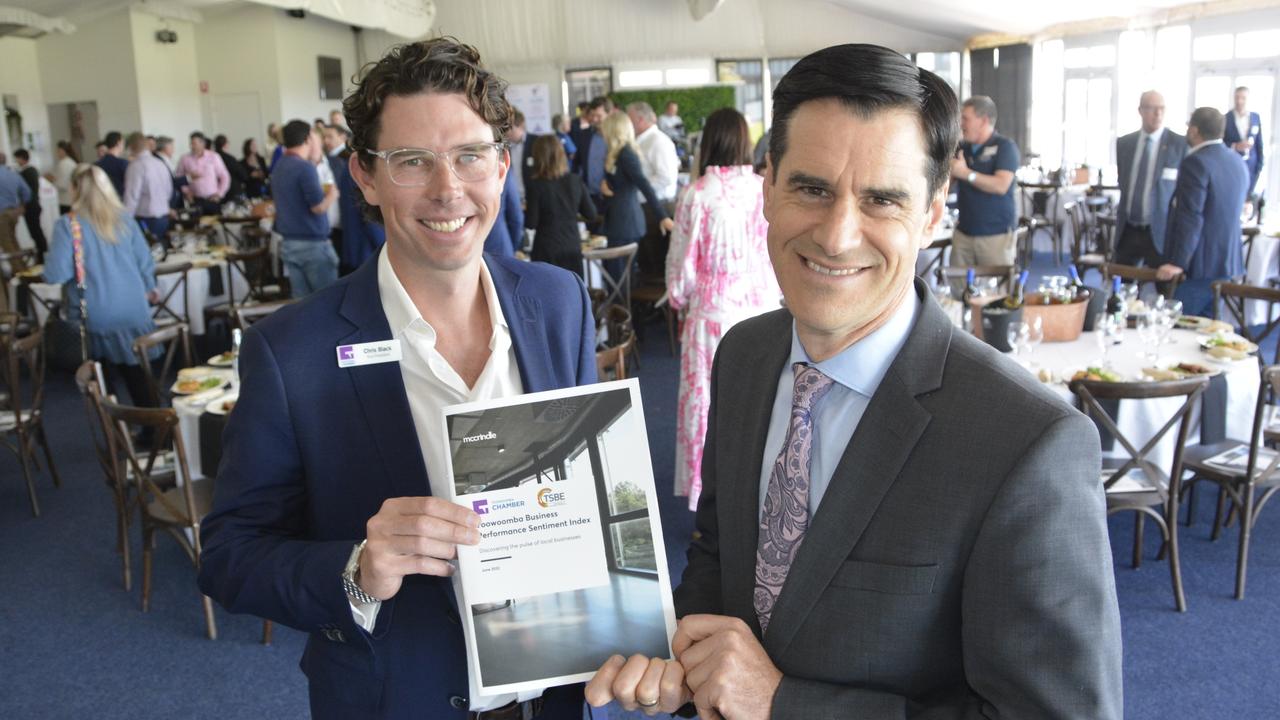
[119, 276]
[623, 183]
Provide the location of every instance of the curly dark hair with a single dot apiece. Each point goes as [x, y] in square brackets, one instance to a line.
[441, 64]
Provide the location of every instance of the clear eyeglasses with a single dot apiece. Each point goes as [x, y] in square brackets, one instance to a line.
[413, 167]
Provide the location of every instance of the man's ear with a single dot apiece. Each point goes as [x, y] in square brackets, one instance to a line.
[937, 208]
[364, 180]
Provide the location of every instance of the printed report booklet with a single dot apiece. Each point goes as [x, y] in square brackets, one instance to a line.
[571, 566]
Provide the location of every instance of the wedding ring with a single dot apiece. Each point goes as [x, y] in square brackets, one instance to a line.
[642, 703]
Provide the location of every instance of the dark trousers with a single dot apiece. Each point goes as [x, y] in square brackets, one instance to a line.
[32, 217]
[135, 381]
[157, 226]
[570, 261]
[1136, 247]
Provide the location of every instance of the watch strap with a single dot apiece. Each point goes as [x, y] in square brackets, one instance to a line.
[357, 594]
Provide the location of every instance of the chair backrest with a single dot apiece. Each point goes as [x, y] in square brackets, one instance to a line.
[25, 357]
[173, 344]
[89, 383]
[15, 261]
[1141, 276]
[165, 310]
[1264, 430]
[246, 315]
[251, 265]
[1232, 296]
[1090, 392]
[1004, 274]
[254, 236]
[618, 290]
[611, 362]
[148, 469]
[617, 320]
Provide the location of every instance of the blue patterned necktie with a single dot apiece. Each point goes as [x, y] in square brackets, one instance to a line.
[786, 501]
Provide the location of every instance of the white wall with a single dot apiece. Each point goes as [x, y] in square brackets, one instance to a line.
[168, 87]
[20, 75]
[299, 43]
[96, 64]
[236, 55]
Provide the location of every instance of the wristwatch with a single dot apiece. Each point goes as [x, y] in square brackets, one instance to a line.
[971, 177]
[349, 582]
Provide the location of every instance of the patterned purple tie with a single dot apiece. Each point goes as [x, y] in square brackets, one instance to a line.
[786, 501]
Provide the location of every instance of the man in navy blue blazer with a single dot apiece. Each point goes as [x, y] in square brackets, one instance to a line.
[1243, 133]
[1203, 236]
[329, 513]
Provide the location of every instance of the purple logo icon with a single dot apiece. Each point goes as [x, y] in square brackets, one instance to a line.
[480, 506]
[346, 352]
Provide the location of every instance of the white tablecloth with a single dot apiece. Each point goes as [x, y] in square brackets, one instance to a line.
[190, 408]
[1140, 419]
[1262, 266]
[197, 289]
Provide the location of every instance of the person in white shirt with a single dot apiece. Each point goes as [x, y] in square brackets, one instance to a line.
[331, 510]
[670, 123]
[658, 160]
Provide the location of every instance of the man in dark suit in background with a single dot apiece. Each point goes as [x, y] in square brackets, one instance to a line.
[1243, 133]
[31, 212]
[113, 162]
[1147, 161]
[329, 513]
[1203, 239]
[858, 556]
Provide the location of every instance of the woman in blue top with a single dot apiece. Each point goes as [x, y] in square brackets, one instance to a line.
[119, 276]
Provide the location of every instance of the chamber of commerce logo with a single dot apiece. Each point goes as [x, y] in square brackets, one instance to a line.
[550, 498]
[346, 352]
[480, 506]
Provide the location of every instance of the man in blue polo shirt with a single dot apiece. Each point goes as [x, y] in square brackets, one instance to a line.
[984, 189]
[301, 212]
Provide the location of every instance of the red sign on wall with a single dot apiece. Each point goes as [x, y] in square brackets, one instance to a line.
[204, 87]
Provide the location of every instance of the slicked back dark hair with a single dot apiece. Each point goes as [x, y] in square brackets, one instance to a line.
[1210, 122]
[869, 80]
[295, 133]
[441, 65]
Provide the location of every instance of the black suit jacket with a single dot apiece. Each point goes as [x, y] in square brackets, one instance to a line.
[623, 216]
[958, 565]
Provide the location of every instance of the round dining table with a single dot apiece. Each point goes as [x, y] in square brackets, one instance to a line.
[1233, 392]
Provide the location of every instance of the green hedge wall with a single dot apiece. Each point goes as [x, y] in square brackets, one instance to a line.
[695, 103]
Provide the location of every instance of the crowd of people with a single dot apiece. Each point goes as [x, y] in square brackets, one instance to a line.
[1181, 203]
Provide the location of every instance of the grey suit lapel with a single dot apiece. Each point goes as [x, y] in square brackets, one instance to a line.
[738, 474]
[886, 435]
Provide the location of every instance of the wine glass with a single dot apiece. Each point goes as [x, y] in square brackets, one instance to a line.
[1148, 329]
[1035, 334]
[1102, 334]
[1017, 336]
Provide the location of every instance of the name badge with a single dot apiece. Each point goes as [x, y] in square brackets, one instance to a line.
[1169, 174]
[371, 353]
[989, 152]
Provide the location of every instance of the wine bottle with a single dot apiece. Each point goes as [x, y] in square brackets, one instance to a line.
[1115, 304]
[969, 292]
[1076, 284]
[1018, 293]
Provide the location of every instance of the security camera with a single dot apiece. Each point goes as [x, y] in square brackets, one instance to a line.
[166, 36]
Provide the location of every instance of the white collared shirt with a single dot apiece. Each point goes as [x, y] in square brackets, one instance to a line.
[1151, 171]
[1242, 124]
[857, 371]
[1206, 142]
[432, 384]
[658, 162]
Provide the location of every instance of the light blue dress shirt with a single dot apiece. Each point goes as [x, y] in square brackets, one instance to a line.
[13, 189]
[857, 372]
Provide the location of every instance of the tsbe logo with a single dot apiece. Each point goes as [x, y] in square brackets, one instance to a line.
[480, 506]
[551, 498]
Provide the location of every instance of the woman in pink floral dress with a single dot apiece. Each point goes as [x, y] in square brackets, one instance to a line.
[718, 271]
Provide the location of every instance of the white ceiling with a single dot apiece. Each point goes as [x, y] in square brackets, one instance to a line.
[960, 19]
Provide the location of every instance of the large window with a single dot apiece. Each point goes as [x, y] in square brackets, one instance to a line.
[627, 517]
[587, 83]
[945, 65]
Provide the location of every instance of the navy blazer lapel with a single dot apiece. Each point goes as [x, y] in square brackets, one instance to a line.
[888, 432]
[523, 313]
[380, 388]
[738, 473]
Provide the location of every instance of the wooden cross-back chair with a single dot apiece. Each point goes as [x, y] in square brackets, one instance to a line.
[1233, 297]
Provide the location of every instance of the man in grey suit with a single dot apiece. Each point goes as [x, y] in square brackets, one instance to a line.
[896, 521]
[1148, 163]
